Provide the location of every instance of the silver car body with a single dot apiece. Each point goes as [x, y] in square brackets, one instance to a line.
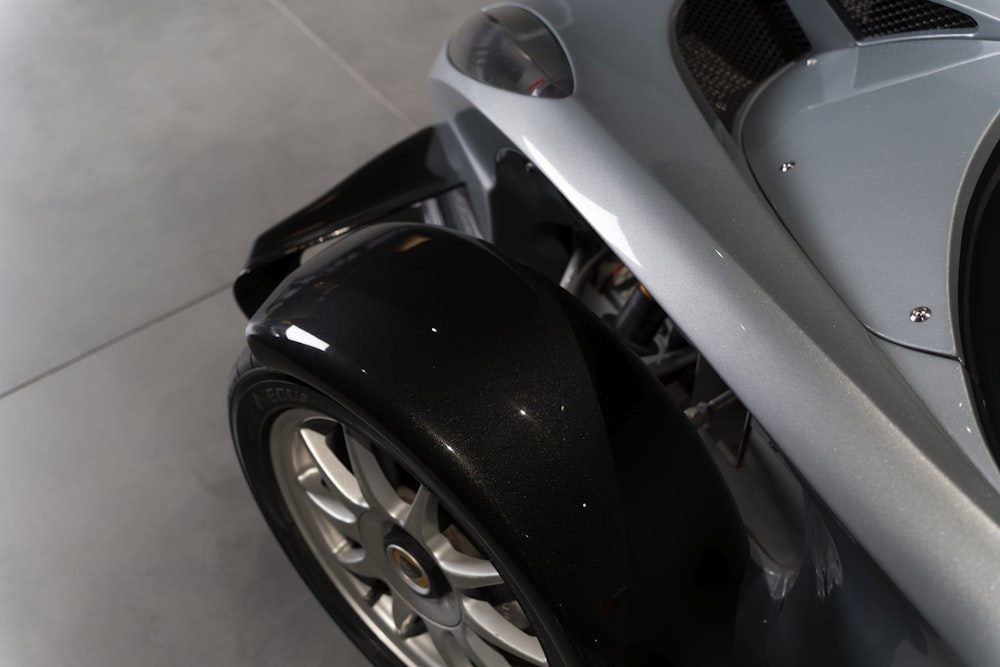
[796, 283]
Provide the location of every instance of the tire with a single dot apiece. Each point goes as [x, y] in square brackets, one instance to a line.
[394, 558]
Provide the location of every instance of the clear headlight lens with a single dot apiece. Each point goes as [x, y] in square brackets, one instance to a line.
[510, 48]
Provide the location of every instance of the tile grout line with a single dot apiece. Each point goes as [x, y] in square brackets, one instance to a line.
[337, 58]
[117, 339]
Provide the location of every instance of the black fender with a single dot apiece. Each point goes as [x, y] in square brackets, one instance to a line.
[590, 482]
[409, 172]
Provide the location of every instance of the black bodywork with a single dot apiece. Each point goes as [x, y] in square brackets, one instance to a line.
[542, 422]
[556, 438]
[412, 170]
[980, 317]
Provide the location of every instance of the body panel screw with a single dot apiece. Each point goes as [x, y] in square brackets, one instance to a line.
[920, 314]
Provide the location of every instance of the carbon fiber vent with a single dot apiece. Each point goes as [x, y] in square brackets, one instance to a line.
[730, 47]
[882, 18]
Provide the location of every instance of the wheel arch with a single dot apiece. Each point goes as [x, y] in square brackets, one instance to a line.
[587, 479]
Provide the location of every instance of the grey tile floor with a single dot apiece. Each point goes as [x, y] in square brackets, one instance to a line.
[143, 145]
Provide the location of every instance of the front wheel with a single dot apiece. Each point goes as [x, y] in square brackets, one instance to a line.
[364, 523]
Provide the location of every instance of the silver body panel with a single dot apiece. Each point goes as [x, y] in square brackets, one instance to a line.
[664, 187]
[888, 142]
[943, 385]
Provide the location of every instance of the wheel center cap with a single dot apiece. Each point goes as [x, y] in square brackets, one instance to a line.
[414, 575]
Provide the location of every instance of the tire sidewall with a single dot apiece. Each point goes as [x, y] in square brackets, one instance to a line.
[257, 398]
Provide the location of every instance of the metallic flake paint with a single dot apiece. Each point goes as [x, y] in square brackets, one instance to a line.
[533, 414]
[633, 143]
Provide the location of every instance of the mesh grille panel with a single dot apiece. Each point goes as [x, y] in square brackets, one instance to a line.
[880, 18]
[730, 47]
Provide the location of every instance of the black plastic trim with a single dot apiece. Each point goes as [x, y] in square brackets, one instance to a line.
[411, 171]
[729, 48]
[873, 19]
[979, 277]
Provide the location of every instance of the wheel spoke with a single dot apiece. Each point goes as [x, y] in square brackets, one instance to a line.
[341, 489]
[330, 504]
[375, 593]
[375, 487]
[340, 483]
[421, 518]
[463, 572]
[451, 650]
[481, 653]
[356, 561]
[400, 611]
[481, 618]
[408, 623]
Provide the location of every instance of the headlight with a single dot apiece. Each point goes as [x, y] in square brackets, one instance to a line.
[510, 48]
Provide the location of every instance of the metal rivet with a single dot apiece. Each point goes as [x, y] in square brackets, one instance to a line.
[810, 62]
[920, 314]
[787, 166]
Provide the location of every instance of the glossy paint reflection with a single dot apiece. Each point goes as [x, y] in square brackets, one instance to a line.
[585, 479]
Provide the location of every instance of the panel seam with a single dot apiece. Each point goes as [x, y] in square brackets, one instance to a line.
[117, 339]
[325, 47]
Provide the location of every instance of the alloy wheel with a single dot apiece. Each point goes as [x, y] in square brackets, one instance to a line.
[398, 557]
